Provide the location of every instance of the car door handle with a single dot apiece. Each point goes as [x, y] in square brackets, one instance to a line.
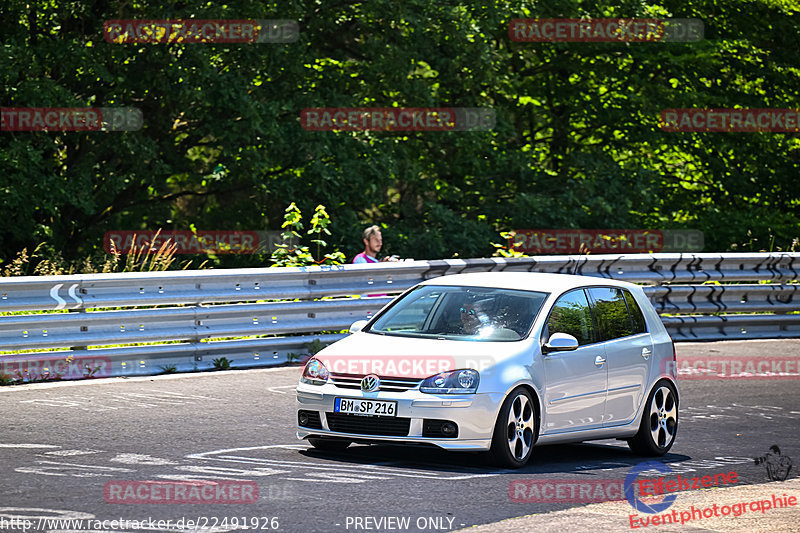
[646, 352]
[599, 360]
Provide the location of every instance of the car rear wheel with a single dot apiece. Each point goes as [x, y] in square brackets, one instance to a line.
[659, 424]
[329, 445]
[515, 430]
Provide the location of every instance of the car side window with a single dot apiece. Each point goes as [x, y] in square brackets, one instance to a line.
[639, 325]
[571, 314]
[613, 319]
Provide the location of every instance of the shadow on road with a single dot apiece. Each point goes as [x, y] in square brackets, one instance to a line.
[580, 458]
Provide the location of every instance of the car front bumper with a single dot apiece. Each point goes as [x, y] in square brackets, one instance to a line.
[474, 415]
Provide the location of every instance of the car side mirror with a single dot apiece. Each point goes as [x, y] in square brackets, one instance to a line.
[358, 325]
[560, 342]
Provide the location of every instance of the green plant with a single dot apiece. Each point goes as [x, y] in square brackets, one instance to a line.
[5, 379]
[89, 372]
[45, 261]
[508, 251]
[753, 246]
[146, 258]
[314, 347]
[48, 376]
[287, 254]
[221, 363]
[291, 253]
[168, 369]
[319, 226]
[21, 264]
[23, 376]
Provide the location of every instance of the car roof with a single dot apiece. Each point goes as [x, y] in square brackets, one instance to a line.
[529, 281]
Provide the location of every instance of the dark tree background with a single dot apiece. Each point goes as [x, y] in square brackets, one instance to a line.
[576, 144]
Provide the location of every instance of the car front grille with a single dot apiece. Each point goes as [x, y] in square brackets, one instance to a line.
[388, 384]
[369, 425]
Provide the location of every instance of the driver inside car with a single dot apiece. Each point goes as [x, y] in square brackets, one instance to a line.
[475, 320]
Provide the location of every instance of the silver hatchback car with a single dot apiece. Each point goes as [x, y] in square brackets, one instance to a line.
[499, 362]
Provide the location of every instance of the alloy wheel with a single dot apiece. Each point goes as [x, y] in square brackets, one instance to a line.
[663, 417]
[520, 427]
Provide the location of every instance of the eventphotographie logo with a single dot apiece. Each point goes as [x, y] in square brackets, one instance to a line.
[638, 503]
[70, 119]
[635, 30]
[191, 31]
[397, 119]
[650, 495]
[656, 496]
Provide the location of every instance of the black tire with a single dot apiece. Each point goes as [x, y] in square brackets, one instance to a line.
[329, 445]
[659, 425]
[515, 430]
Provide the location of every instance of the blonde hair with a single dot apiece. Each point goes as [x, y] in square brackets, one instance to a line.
[369, 231]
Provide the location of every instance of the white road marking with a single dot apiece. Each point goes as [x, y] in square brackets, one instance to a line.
[63, 402]
[220, 470]
[124, 400]
[735, 412]
[332, 473]
[243, 466]
[273, 389]
[335, 477]
[140, 459]
[67, 453]
[152, 397]
[28, 446]
[51, 468]
[6, 512]
[186, 396]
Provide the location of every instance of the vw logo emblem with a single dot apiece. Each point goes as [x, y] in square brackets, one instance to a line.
[370, 383]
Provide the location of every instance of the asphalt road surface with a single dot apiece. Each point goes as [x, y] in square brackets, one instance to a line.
[72, 451]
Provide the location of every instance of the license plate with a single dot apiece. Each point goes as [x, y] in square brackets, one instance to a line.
[364, 407]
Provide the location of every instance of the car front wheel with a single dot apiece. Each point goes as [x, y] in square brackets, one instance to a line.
[659, 424]
[515, 430]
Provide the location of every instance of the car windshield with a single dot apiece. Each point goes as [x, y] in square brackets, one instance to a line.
[462, 313]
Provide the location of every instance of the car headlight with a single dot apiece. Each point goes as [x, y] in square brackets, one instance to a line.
[452, 382]
[315, 373]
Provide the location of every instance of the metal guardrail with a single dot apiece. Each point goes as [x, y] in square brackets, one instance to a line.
[260, 317]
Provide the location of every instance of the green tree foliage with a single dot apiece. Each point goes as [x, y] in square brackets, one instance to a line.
[576, 144]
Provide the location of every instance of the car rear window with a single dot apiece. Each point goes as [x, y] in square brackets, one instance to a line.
[639, 325]
[611, 312]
